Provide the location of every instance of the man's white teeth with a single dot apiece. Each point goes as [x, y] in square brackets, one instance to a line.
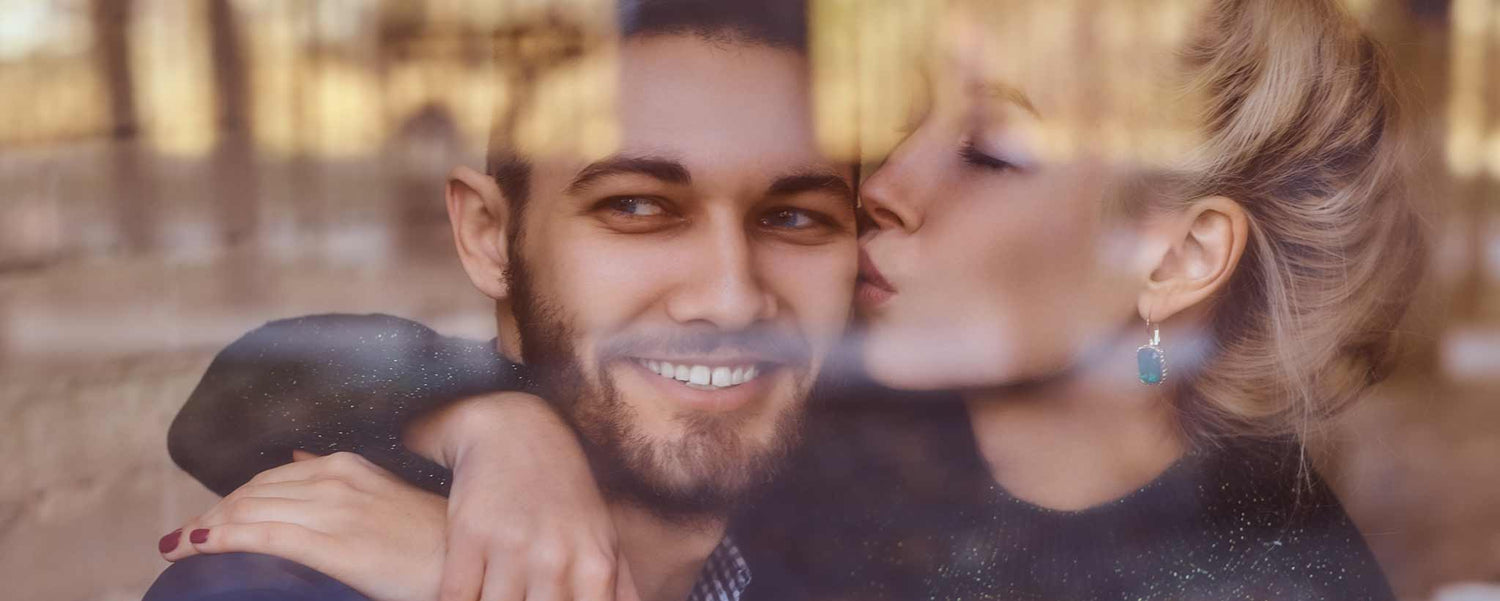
[703, 376]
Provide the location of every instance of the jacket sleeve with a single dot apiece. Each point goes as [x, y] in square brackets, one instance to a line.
[329, 383]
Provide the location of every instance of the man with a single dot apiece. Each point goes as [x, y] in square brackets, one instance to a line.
[678, 293]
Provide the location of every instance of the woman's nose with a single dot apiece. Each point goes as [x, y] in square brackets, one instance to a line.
[888, 198]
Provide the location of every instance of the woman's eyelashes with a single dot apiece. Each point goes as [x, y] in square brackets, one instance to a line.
[974, 157]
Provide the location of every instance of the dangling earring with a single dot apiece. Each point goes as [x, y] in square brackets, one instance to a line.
[1150, 359]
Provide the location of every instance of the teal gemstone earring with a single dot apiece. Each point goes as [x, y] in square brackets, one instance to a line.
[1150, 360]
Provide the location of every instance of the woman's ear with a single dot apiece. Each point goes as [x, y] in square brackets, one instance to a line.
[1202, 246]
[479, 213]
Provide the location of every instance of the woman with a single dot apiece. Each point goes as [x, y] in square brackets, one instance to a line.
[1133, 329]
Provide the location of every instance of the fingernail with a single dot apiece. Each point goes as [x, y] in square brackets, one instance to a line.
[169, 542]
[199, 536]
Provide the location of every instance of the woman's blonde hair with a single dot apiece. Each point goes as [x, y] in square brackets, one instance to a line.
[1304, 130]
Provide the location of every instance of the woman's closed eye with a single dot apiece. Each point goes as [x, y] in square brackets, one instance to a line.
[972, 156]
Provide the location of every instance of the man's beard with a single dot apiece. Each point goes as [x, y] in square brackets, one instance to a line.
[719, 468]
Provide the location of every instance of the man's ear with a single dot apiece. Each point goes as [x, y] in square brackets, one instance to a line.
[1201, 246]
[479, 213]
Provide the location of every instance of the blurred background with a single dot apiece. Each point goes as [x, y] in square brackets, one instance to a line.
[176, 172]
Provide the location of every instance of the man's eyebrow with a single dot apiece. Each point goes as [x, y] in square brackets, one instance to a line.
[798, 183]
[667, 170]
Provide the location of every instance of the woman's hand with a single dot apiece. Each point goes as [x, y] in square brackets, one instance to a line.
[340, 515]
[525, 517]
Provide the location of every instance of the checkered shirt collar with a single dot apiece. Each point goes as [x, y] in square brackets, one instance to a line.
[725, 575]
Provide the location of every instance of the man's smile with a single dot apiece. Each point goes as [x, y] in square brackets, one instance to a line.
[707, 385]
[704, 376]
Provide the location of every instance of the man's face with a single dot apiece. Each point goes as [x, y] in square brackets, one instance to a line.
[683, 292]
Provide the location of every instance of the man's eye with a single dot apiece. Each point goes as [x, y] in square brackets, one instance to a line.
[636, 206]
[790, 219]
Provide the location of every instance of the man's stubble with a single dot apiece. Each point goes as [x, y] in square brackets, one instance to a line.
[715, 468]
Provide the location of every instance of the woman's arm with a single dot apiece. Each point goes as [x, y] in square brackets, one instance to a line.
[324, 384]
[513, 456]
[387, 389]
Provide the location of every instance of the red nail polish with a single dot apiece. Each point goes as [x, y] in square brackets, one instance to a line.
[169, 542]
[199, 536]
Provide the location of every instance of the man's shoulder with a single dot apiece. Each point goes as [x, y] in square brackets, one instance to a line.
[345, 346]
[347, 332]
[246, 577]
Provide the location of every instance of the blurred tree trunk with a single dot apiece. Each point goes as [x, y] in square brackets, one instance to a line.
[132, 186]
[234, 158]
[234, 165]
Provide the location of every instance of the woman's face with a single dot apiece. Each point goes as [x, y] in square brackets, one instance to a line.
[995, 259]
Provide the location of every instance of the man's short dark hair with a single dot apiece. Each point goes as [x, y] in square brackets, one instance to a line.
[778, 23]
[774, 23]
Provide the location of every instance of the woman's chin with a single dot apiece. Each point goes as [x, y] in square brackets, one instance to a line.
[928, 360]
[899, 378]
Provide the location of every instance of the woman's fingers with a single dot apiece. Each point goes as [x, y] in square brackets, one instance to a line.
[344, 518]
[277, 501]
[503, 582]
[174, 546]
[624, 583]
[289, 541]
[594, 575]
[323, 490]
[345, 466]
[463, 570]
[546, 589]
[249, 510]
[547, 575]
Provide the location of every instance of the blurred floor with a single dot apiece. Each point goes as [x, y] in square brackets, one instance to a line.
[101, 343]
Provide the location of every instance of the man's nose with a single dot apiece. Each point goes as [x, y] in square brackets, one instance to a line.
[722, 285]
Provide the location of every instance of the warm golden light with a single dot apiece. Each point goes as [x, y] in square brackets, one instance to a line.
[1466, 113]
[867, 60]
[1103, 73]
[53, 86]
[170, 56]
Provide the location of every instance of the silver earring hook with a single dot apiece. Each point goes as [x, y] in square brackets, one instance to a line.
[1153, 327]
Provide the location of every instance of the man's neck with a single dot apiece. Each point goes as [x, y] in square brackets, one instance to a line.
[665, 557]
[507, 333]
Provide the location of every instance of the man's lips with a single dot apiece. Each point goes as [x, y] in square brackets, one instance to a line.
[717, 389]
[706, 375]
